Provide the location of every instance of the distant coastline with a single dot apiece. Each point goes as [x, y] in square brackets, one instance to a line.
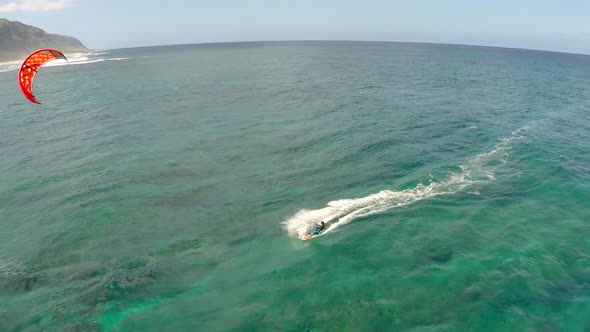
[18, 40]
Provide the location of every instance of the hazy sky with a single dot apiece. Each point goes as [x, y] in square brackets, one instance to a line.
[562, 25]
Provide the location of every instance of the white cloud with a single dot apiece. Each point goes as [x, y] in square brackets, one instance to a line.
[33, 5]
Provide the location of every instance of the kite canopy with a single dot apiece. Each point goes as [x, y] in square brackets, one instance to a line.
[31, 66]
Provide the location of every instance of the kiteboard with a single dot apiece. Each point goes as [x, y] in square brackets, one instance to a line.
[308, 236]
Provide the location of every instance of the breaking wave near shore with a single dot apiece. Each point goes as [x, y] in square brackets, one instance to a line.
[73, 59]
[477, 170]
[82, 59]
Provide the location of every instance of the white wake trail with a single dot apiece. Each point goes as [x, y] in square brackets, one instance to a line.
[479, 169]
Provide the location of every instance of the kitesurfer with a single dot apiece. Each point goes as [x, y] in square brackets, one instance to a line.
[317, 229]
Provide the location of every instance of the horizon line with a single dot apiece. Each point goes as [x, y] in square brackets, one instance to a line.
[343, 41]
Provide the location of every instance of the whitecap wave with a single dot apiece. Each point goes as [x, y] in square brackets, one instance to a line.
[478, 169]
[81, 59]
[73, 59]
[9, 66]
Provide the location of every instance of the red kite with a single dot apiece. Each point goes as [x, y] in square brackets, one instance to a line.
[31, 66]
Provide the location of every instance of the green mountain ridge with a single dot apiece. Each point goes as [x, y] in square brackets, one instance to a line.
[17, 40]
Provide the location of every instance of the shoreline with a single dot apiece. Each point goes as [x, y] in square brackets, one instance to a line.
[15, 64]
[21, 58]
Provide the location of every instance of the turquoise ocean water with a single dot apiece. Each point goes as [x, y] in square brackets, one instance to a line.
[164, 189]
